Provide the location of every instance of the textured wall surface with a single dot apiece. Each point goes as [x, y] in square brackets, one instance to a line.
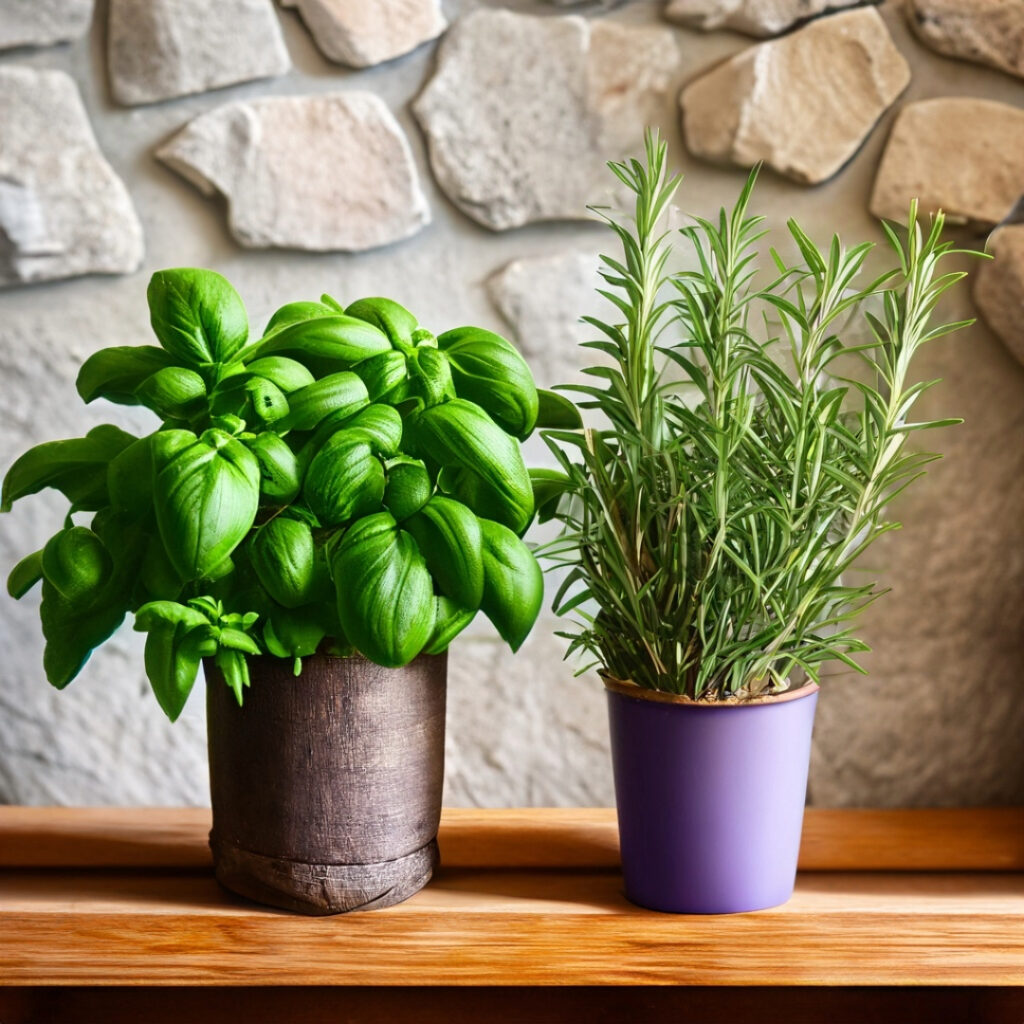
[939, 720]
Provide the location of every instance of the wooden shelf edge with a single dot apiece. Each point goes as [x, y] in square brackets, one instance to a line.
[961, 839]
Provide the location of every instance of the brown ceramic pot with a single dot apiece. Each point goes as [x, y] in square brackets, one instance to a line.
[326, 788]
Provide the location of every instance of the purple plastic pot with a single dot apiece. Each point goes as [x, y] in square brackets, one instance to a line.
[710, 798]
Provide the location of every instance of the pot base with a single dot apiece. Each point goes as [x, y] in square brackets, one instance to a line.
[322, 889]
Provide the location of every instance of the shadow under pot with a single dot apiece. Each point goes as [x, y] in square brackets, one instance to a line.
[710, 797]
[326, 787]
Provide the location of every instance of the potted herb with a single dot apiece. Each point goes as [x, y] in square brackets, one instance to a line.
[711, 527]
[318, 515]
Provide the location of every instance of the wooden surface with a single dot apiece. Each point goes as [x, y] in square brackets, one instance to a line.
[970, 839]
[523, 898]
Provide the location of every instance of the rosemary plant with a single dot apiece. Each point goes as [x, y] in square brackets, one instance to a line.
[708, 530]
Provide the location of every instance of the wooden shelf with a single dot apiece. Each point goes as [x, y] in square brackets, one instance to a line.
[525, 897]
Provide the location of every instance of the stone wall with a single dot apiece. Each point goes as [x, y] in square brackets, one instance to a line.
[346, 149]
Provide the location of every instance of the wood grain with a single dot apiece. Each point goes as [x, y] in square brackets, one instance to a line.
[971, 839]
[501, 927]
[526, 897]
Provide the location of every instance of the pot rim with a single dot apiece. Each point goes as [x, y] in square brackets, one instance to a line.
[630, 689]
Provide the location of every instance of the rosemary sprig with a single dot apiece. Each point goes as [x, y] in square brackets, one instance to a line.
[706, 541]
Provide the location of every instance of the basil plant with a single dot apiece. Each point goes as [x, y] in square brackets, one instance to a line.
[347, 483]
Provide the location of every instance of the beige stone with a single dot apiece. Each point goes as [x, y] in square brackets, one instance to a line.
[161, 49]
[999, 287]
[324, 172]
[543, 298]
[63, 210]
[754, 17]
[42, 22]
[961, 155]
[361, 33]
[985, 31]
[803, 104]
[523, 112]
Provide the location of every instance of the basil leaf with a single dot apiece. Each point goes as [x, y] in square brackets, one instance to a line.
[513, 583]
[196, 315]
[173, 392]
[409, 487]
[25, 575]
[489, 370]
[448, 534]
[556, 412]
[325, 344]
[77, 468]
[116, 373]
[340, 394]
[279, 468]
[548, 487]
[384, 374]
[286, 373]
[206, 497]
[283, 556]
[77, 565]
[449, 621]
[71, 633]
[179, 637]
[394, 320]
[344, 480]
[385, 593]
[494, 481]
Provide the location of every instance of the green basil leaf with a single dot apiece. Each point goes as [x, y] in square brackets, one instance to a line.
[549, 485]
[489, 370]
[130, 477]
[385, 593]
[77, 564]
[196, 315]
[325, 344]
[116, 373]
[173, 392]
[77, 468]
[494, 481]
[513, 583]
[235, 669]
[206, 496]
[297, 633]
[72, 633]
[384, 374]
[344, 480]
[238, 640]
[297, 313]
[449, 621]
[179, 638]
[380, 426]
[340, 395]
[279, 469]
[556, 412]
[409, 486]
[430, 376]
[394, 320]
[283, 556]
[265, 401]
[159, 577]
[448, 534]
[25, 575]
[287, 374]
